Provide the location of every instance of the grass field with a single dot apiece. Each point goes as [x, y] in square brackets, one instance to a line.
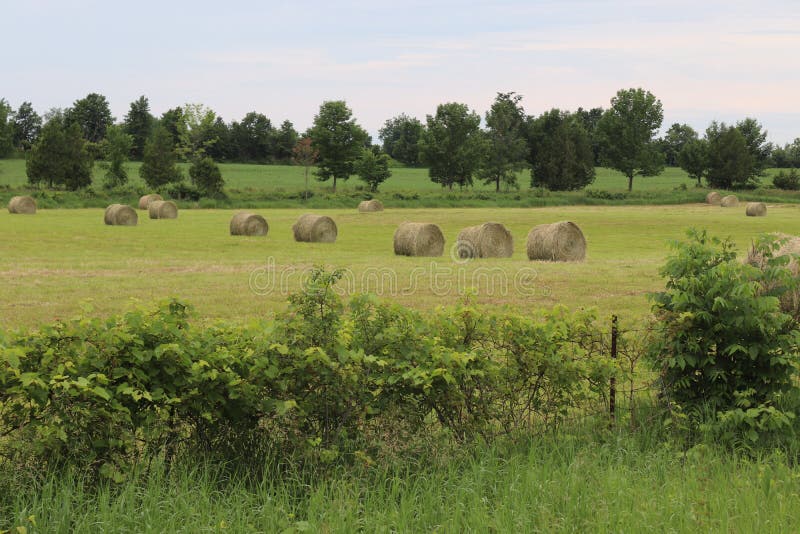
[291, 177]
[57, 259]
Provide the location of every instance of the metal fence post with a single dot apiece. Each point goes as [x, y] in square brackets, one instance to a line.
[612, 393]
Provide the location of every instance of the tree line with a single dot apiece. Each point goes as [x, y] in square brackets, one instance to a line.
[559, 148]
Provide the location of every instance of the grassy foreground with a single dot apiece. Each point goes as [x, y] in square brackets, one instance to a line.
[561, 484]
[57, 259]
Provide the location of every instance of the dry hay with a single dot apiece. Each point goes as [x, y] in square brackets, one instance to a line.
[418, 239]
[245, 223]
[163, 209]
[144, 202]
[561, 241]
[790, 245]
[729, 201]
[311, 228]
[22, 205]
[756, 209]
[370, 205]
[713, 198]
[487, 240]
[120, 215]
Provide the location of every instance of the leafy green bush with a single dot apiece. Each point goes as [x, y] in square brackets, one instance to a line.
[723, 347]
[604, 195]
[789, 181]
[108, 394]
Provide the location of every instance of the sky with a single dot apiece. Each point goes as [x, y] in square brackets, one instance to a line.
[704, 59]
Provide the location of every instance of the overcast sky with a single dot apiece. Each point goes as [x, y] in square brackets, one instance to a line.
[705, 59]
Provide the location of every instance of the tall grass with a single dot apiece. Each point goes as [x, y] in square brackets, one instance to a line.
[577, 482]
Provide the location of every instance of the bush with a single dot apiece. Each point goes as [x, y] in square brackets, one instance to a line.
[206, 177]
[104, 395]
[789, 181]
[604, 195]
[724, 350]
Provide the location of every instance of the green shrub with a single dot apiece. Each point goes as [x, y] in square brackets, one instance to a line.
[724, 350]
[789, 181]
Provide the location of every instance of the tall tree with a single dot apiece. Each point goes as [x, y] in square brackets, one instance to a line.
[373, 167]
[560, 151]
[285, 140]
[174, 121]
[60, 157]
[400, 136]
[756, 140]
[339, 140]
[138, 123]
[27, 125]
[6, 128]
[92, 114]
[626, 132]
[589, 119]
[452, 145]
[693, 158]
[674, 140]
[506, 149]
[306, 155]
[117, 149]
[199, 133]
[254, 138]
[221, 149]
[159, 166]
[731, 164]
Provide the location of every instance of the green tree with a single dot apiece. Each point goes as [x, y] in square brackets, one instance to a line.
[589, 119]
[92, 114]
[560, 151]
[373, 167]
[506, 150]
[254, 138]
[6, 128]
[60, 157]
[199, 133]
[27, 125]
[159, 165]
[306, 155]
[674, 140]
[285, 140]
[117, 148]
[756, 140]
[221, 149]
[731, 164]
[693, 158]
[138, 123]
[626, 132]
[206, 176]
[401, 136]
[453, 146]
[339, 140]
[174, 121]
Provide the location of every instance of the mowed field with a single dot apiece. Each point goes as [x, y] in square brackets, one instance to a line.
[291, 177]
[53, 262]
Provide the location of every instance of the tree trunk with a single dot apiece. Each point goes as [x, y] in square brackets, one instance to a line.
[334, 184]
[306, 191]
[497, 189]
[630, 183]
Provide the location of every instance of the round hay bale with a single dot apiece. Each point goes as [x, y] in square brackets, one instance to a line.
[418, 239]
[713, 198]
[163, 209]
[22, 205]
[729, 201]
[756, 209]
[120, 215]
[561, 241]
[366, 206]
[311, 228]
[487, 240]
[245, 223]
[144, 202]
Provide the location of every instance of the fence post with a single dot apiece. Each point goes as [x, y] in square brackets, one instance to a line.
[612, 393]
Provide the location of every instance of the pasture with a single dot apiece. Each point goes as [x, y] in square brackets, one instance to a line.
[57, 261]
